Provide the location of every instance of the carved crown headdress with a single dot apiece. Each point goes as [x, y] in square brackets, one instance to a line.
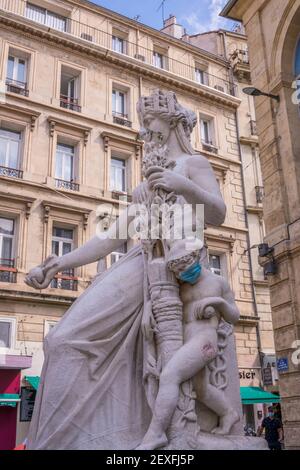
[165, 105]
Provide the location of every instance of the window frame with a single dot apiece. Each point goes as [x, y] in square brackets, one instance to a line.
[117, 92]
[124, 176]
[47, 13]
[13, 323]
[203, 72]
[20, 133]
[116, 41]
[223, 263]
[160, 55]
[48, 325]
[16, 63]
[204, 121]
[62, 240]
[63, 155]
[13, 237]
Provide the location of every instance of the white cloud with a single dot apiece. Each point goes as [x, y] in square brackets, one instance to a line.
[201, 21]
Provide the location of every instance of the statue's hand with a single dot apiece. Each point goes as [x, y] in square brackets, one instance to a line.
[41, 276]
[141, 193]
[168, 180]
[205, 308]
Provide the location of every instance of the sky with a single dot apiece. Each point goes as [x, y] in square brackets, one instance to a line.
[196, 16]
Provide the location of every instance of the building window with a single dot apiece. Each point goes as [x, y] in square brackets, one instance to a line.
[10, 145]
[7, 262]
[118, 44]
[215, 264]
[70, 89]
[116, 255]
[64, 167]
[207, 134]
[158, 60]
[206, 131]
[62, 244]
[48, 325]
[7, 332]
[119, 108]
[46, 17]
[16, 76]
[119, 103]
[118, 174]
[201, 76]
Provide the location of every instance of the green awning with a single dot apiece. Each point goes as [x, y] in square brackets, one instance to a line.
[9, 399]
[33, 380]
[251, 395]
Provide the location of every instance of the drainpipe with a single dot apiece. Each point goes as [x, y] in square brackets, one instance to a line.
[248, 242]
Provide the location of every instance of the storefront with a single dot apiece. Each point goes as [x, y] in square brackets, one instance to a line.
[10, 384]
[255, 401]
[259, 389]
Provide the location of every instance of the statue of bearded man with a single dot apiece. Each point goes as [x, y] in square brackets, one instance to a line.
[92, 393]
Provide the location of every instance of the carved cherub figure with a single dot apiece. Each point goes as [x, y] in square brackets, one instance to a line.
[207, 300]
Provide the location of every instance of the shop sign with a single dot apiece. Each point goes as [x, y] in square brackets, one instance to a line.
[267, 376]
[27, 403]
[282, 364]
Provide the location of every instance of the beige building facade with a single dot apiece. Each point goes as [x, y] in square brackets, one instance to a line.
[273, 35]
[71, 73]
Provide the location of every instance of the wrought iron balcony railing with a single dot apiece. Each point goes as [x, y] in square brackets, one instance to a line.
[65, 280]
[11, 172]
[70, 103]
[122, 119]
[14, 86]
[8, 272]
[133, 50]
[62, 184]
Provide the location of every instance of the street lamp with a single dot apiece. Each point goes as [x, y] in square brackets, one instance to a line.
[255, 92]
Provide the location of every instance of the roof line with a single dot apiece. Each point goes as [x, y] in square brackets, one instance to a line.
[136, 24]
[227, 8]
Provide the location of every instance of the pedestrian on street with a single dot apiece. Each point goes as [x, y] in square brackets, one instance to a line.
[273, 430]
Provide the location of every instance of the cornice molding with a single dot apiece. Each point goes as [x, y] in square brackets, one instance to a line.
[130, 63]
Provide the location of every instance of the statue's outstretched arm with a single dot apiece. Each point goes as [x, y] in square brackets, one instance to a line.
[96, 248]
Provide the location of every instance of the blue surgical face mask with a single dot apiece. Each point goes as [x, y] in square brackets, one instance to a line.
[191, 275]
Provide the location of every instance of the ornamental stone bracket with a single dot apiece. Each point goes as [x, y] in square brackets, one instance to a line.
[24, 200]
[25, 114]
[220, 169]
[109, 138]
[229, 240]
[50, 207]
[54, 123]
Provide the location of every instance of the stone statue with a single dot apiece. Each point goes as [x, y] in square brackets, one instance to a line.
[142, 358]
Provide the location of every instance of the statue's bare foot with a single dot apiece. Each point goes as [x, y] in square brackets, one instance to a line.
[226, 423]
[153, 441]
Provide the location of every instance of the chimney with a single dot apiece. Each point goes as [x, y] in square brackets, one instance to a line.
[172, 28]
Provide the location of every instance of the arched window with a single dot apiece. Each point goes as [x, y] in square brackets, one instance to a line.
[297, 60]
